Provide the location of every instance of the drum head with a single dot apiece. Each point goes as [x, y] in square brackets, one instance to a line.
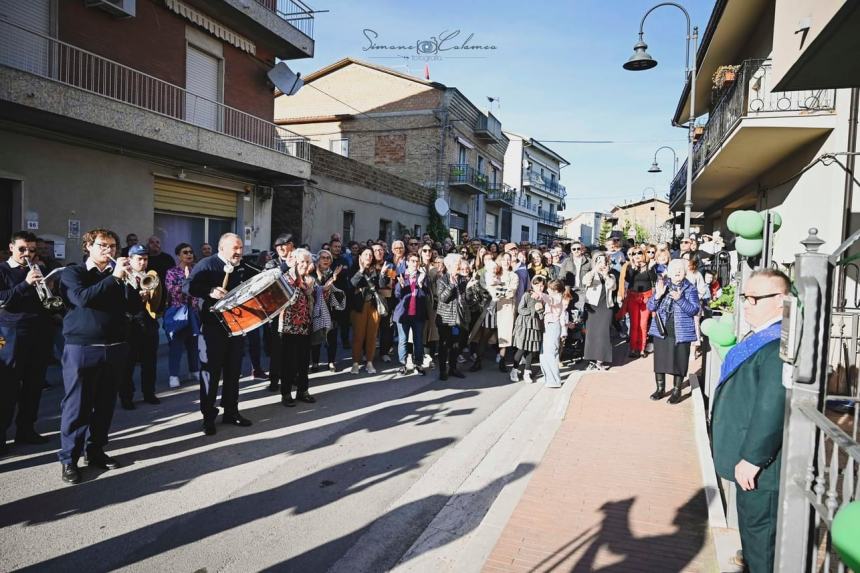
[248, 289]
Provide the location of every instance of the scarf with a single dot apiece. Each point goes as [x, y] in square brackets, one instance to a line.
[745, 350]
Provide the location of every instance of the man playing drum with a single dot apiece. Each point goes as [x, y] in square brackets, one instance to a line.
[220, 354]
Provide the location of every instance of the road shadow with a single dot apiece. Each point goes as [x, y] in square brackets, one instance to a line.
[670, 553]
[299, 496]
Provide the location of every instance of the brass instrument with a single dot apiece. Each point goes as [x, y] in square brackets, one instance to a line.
[148, 281]
[49, 300]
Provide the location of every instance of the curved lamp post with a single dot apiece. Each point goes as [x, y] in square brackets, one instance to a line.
[655, 168]
[641, 60]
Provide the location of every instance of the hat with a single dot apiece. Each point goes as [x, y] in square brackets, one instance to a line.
[138, 250]
[284, 239]
[693, 237]
[511, 247]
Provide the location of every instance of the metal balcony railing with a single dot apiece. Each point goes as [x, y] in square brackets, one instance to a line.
[550, 218]
[504, 194]
[546, 185]
[749, 96]
[460, 174]
[527, 206]
[64, 63]
[296, 13]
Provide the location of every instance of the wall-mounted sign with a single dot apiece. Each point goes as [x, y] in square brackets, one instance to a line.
[32, 225]
[74, 229]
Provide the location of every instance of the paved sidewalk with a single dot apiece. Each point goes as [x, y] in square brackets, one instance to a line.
[619, 489]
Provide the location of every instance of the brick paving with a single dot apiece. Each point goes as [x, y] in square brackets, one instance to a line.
[619, 488]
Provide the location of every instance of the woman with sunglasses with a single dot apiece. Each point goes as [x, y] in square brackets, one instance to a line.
[599, 283]
[181, 334]
[635, 287]
[388, 271]
[328, 302]
[366, 281]
[675, 304]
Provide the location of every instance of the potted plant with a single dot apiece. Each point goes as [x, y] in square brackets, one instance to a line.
[698, 132]
[724, 77]
[457, 172]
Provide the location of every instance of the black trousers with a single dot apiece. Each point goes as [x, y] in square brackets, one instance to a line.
[449, 344]
[22, 374]
[274, 352]
[331, 348]
[142, 348]
[221, 358]
[295, 352]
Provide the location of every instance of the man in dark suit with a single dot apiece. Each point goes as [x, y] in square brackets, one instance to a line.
[284, 246]
[221, 354]
[748, 418]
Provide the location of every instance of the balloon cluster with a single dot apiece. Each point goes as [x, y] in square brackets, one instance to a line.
[748, 227]
[721, 333]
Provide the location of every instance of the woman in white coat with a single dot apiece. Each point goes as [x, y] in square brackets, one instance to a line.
[506, 306]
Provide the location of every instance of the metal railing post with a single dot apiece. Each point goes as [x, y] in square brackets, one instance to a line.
[804, 382]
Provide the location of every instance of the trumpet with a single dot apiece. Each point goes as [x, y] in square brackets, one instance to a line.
[49, 301]
[148, 281]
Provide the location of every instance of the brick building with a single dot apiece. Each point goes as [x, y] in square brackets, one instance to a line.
[651, 214]
[145, 116]
[419, 130]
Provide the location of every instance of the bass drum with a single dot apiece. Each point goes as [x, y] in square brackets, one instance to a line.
[253, 303]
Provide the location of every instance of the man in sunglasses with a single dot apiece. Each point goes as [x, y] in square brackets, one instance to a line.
[25, 326]
[748, 417]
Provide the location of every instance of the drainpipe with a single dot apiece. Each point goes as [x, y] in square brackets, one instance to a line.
[848, 193]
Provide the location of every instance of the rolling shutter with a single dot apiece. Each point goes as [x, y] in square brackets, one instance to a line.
[201, 79]
[21, 49]
[193, 198]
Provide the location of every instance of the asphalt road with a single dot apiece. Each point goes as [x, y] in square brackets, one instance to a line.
[348, 483]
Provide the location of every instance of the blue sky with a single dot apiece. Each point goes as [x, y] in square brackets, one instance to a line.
[557, 69]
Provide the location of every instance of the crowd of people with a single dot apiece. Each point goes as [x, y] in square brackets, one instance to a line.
[419, 304]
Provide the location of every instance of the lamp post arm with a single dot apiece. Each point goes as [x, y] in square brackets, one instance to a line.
[686, 14]
[674, 155]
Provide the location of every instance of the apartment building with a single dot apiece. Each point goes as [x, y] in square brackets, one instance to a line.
[533, 170]
[146, 116]
[648, 215]
[761, 131]
[585, 227]
[421, 131]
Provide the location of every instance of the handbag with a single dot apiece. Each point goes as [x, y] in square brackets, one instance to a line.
[381, 305]
[176, 318]
[661, 326]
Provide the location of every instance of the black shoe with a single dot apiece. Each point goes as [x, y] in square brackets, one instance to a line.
[29, 437]
[273, 387]
[151, 399]
[209, 427]
[71, 474]
[675, 397]
[503, 367]
[456, 373]
[475, 366]
[126, 404]
[306, 397]
[402, 370]
[659, 392]
[4, 447]
[262, 374]
[443, 374]
[288, 401]
[101, 460]
[633, 354]
[236, 420]
[420, 370]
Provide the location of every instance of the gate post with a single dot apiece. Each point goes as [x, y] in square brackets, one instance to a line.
[803, 382]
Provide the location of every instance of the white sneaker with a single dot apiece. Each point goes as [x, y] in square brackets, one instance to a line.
[174, 382]
[385, 358]
[356, 368]
[371, 369]
[460, 359]
[410, 365]
[515, 375]
[428, 361]
[527, 377]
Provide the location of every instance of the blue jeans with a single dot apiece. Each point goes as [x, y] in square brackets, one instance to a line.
[549, 355]
[180, 341]
[417, 328]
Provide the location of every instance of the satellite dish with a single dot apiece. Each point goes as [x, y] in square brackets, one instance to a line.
[285, 80]
[441, 206]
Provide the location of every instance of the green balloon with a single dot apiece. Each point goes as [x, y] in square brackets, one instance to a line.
[749, 225]
[732, 221]
[776, 219]
[723, 350]
[707, 325]
[720, 332]
[749, 247]
[846, 535]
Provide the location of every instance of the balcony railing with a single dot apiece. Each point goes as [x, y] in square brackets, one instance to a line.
[546, 185]
[550, 218]
[463, 174]
[750, 96]
[505, 194]
[527, 206]
[488, 128]
[296, 13]
[64, 63]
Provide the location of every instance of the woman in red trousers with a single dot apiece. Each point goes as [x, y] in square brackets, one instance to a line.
[635, 288]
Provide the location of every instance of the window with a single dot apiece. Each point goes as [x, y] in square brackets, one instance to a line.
[416, 231]
[480, 164]
[462, 158]
[495, 178]
[348, 230]
[203, 84]
[339, 146]
[525, 231]
[490, 223]
[385, 230]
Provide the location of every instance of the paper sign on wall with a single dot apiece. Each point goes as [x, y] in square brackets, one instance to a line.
[59, 250]
[74, 229]
[32, 225]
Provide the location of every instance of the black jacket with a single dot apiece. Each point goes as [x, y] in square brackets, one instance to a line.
[208, 274]
[98, 306]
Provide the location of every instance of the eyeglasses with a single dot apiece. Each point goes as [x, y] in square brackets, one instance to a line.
[186, 252]
[685, 241]
[26, 250]
[325, 257]
[576, 249]
[413, 243]
[650, 252]
[753, 299]
[105, 246]
[426, 250]
[634, 253]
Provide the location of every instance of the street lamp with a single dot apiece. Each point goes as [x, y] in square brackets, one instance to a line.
[655, 168]
[641, 60]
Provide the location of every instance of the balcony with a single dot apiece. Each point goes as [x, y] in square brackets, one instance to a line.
[488, 128]
[466, 178]
[505, 195]
[550, 218]
[750, 130]
[549, 186]
[55, 85]
[285, 26]
[526, 207]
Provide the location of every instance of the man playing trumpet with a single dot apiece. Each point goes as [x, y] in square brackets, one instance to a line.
[24, 325]
[143, 329]
[94, 358]
[220, 355]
